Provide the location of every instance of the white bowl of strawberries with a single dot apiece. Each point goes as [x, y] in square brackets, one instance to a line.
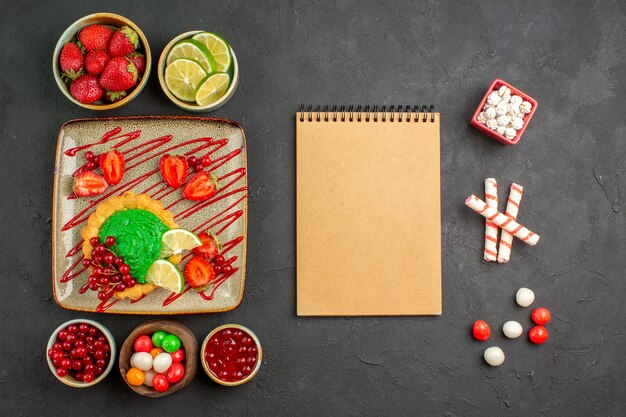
[101, 61]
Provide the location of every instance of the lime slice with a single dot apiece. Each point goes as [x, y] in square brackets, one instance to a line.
[175, 241]
[192, 49]
[165, 274]
[218, 47]
[212, 88]
[182, 77]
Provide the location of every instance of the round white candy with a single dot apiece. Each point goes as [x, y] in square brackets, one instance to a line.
[490, 112]
[517, 100]
[512, 329]
[525, 107]
[517, 123]
[494, 356]
[510, 133]
[494, 98]
[141, 360]
[503, 120]
[162, 362]
[524, 297]
[148, 376]
[492, 124]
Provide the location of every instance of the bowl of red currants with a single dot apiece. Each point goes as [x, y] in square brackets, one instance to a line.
[158, 358]
[231, 355]
[81, 353]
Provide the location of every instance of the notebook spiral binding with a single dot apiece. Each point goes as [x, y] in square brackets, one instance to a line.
[365, 114]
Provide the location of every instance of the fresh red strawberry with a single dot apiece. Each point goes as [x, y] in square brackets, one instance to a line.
[123, 42]
[139, 60]
[210, 248]
[119, 75]
[95, 37]
[95, 61]
[174, 169]
[200, 187]
[199, 272]
[113, 96]
[72, 61]
[88, 183]
[112, 166]
[86, 89]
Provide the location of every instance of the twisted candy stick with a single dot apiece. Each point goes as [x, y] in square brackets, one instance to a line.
[499, 219]
[490, 253]
[512, 208]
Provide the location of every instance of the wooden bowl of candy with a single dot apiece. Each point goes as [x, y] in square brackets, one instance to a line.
[159, 358]
[504, 112]
[231, 355]
[81, 353]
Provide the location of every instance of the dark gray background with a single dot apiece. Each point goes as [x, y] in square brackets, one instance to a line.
[568, 55]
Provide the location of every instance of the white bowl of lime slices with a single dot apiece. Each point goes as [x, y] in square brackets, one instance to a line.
[198, 71]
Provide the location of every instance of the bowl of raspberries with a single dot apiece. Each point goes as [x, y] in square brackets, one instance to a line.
[102, 61]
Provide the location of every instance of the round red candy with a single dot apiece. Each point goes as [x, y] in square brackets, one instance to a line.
[541, 316]
[143, 344]
[538, 335]
[178, 355]
[481, 330]
[175, 373]
[160, 383]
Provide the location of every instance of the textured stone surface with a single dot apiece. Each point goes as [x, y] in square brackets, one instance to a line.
[567, 55]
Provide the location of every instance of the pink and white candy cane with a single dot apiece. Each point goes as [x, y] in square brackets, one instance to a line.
[512, 208]
[490, 254]
[501, 220]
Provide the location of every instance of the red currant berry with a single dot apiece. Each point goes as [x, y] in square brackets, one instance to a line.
[101, 363]
[94, 241]
[103, 296]
[88, 377]
[116, 279]
[89, 155]
[120, 287]
[83, 327]
[206, 160]
[91, 165]
[110, 241]
[72, 328]
[104, 280]
[118, 261]
[124, 269]
[227, 269]
[89, 367]
[131, 283]
[66, 363]
[81, 352]
[198, 166]
[67, 346]
[94, 287]
[93, 332]
[62, 335]
[219, 260]
[61, 372]
[96, 159]
[192, 160]
[109, 258]
[99, 354]
[57, 346]
[217, 269]
[77, 365]
[51, 352]
[79, 376]
[86, 262]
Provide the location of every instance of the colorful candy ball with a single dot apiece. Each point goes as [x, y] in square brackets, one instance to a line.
[494, 356]
[157, 338]
[170, 343]
[524, 297]
[162, 362]
[141, 361]
[142, 344]
[512, 329]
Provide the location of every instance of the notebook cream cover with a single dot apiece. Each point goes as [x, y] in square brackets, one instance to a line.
[368, 215]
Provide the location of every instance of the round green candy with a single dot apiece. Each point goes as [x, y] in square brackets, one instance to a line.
[157, 338]
[170, 343]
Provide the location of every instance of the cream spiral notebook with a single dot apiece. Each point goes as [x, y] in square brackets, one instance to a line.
[368, 211]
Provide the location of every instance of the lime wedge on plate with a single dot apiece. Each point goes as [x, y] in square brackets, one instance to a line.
[218, 47]
[175, 241]
[165, 274]
[192, 49]
[182, 77]
[212, 88]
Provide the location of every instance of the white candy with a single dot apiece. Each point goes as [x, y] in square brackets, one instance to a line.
[502, 108]
[490, 112]
[524, 297]
[501, 130]
[525, 107]
[148, 376]
[517, 100]
[162, 362]
[494, 356]
[481, 118]
[512, 329]
[494, 98]
[141, 360]
[510, 133]
[492, 124]
[503, 120]
[517, 123]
